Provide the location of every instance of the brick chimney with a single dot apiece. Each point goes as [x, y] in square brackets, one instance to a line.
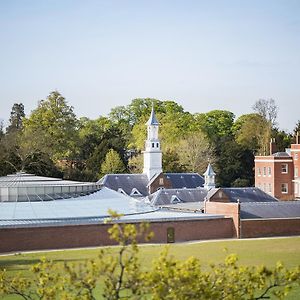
[272, 146]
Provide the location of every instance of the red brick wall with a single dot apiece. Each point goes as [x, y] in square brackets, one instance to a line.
[277, 177]
[269, 227]
[37, 238]
[228, 209]
[155, 185]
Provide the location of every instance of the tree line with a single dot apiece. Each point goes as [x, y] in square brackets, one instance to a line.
[52, 141]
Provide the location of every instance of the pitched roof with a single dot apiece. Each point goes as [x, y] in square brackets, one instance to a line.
[126, 182]
[172, 196]
[185, 180]
[152, 120]
[244, 194]
[265, 210]
[281, 154]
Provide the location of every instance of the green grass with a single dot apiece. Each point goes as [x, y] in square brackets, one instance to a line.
[250, 252]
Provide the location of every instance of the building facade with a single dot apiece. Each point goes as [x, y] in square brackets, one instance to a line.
[278, 173]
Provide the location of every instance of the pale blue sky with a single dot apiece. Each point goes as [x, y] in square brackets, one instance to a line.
[202, 54]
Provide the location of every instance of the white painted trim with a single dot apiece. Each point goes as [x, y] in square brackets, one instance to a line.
[273, 160]
[295, 150]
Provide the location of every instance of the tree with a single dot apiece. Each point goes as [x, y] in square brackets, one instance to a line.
[267, 109]
[252, 131]
[16, 118]
[195, 152]
[135, 164]
[112, 163]
[216, 124]
[52, 127]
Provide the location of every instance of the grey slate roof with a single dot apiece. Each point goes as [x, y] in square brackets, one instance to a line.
[268, 210]
[126, 182]
[185, 180]
[244, 194]
[281, 154]
[172, 196]
[140, 182]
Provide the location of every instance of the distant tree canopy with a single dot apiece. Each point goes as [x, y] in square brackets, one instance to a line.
[51, 139]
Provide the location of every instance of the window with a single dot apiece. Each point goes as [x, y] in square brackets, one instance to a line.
[161, 181]
[258, 171]
[269, 171]
[284, 168]
[270, 188]
[284, 188]
[152, 145]
[157, 145]
[296, 172]
[265, 171]
[296, 156]
[264, 188]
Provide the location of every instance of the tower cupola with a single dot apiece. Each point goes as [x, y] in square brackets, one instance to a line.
[209, 177]
[152, 153]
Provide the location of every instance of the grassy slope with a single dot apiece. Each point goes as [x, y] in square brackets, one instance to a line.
[250, 252]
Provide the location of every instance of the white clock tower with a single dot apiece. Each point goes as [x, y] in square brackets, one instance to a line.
[152, 153]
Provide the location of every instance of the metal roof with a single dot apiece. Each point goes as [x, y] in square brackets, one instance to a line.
[28, 187]
[268, 210]
[209, 171]
[152, 120]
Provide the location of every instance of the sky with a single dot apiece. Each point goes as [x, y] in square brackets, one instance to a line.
[204, 55]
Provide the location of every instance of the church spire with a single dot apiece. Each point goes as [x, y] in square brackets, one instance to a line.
[152, 153]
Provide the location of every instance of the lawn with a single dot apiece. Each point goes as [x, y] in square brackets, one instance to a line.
[250, 252]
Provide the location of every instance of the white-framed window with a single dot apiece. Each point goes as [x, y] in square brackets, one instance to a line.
[265, 171]
[265, 188]
[284, 168]
[269, 171]
[296, 172]
[161, 181]
[296, 156]
[284, 188]
[270, 188]
[259, 171]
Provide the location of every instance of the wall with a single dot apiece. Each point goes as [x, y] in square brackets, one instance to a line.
[37, 238]
[269, 227]
[228, 209]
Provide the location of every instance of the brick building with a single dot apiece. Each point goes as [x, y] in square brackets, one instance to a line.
[278, 173]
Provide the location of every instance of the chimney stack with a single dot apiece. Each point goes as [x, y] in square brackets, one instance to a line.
[272, 146]
[297, 137]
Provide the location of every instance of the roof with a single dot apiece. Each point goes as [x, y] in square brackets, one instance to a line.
[172, 196]
[209, 171]
[152, 120]
[244, 194]
[268, 210]
[281, 154]
[126, 182]
[185, 180]
[95, 205]
[28, 187]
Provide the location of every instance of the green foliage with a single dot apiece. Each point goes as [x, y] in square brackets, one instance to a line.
[216, 124]
[52, 127]
[112, 163]
[16, 118]
[195, 152]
